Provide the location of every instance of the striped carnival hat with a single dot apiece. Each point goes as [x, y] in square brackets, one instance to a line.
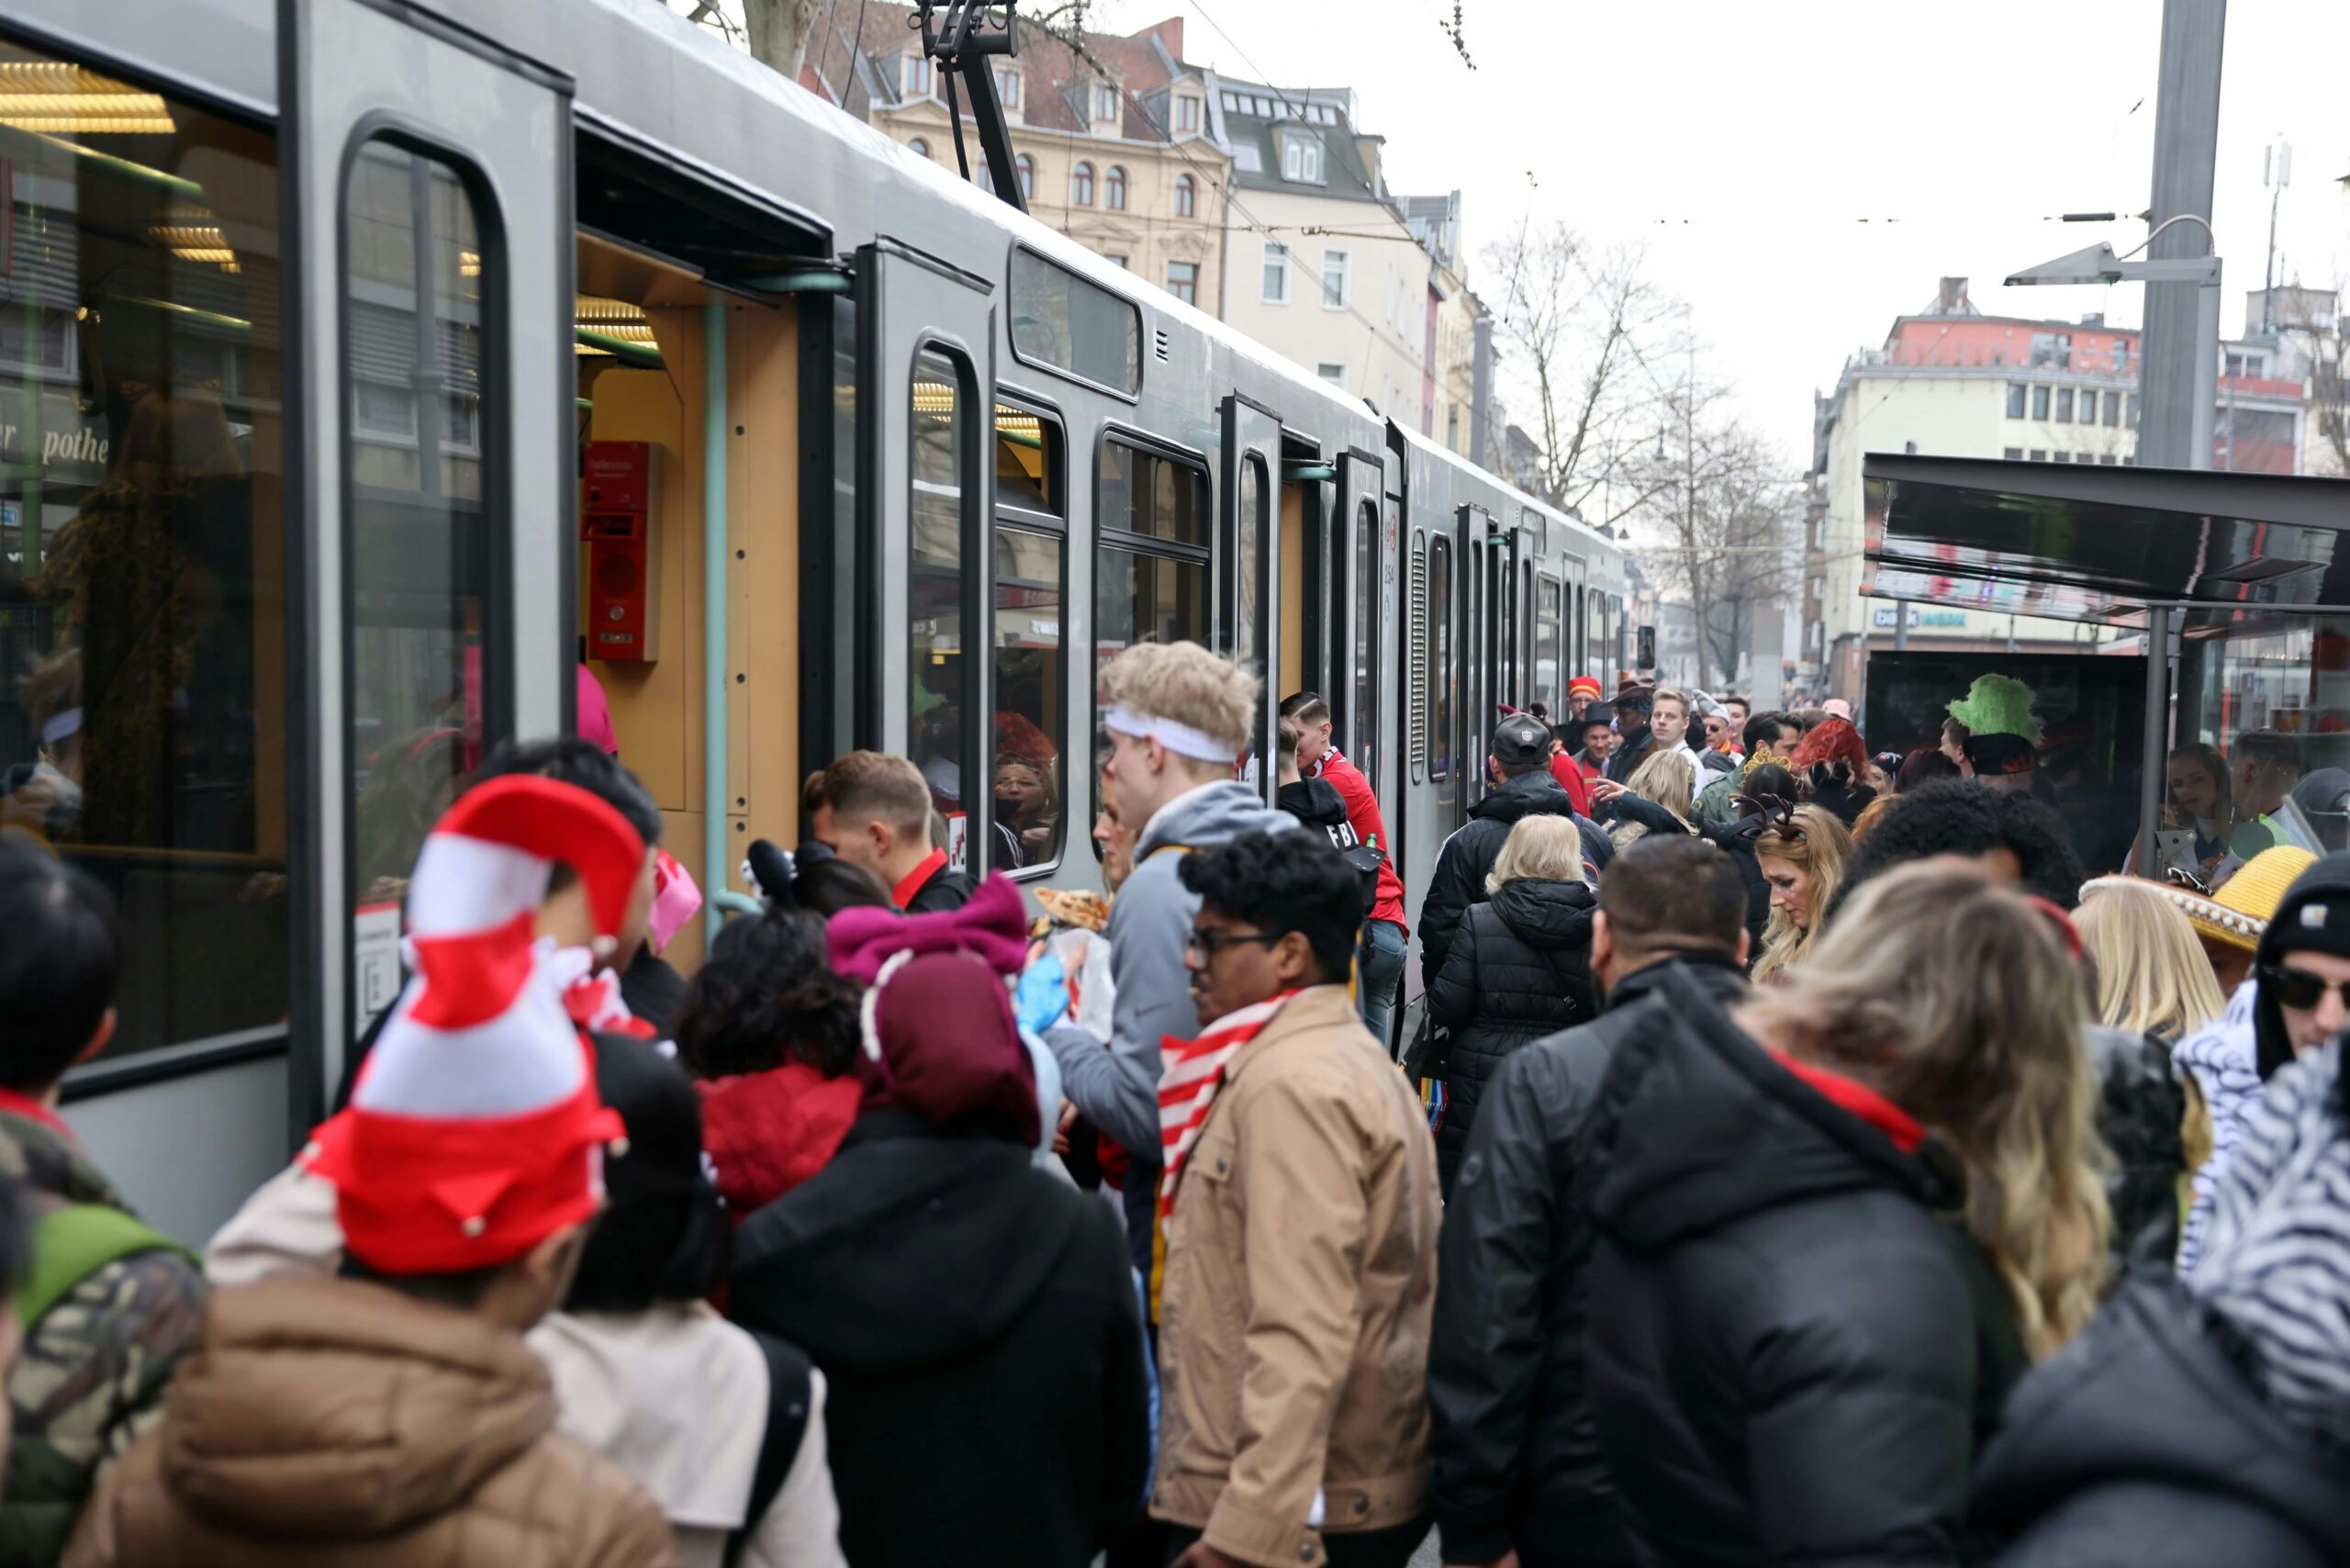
[2238, 915]
[474, 1131]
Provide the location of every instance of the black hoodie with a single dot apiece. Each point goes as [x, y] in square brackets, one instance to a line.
[978, 1324]
[1467, 858]
[2325, 887]
[1794, 1352]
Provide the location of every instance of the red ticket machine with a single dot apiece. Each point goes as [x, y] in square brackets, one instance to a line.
[619, 492]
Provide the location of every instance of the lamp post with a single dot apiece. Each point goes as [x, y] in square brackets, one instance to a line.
[2097, 263]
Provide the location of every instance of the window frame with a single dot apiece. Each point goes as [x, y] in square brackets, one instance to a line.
[920, 146]
[1013, 295]
[1275, 264]
[1007, 86]
[1186, 114]
[1025, 168]
[1081, 180]
[1028, 520]
[974, 601]
[1202, 556]
[1113, 188]
[1336, 264]
[1187, 197]
[2018, 397]
[1191, 282]
[2040, 403]
[2063, 405]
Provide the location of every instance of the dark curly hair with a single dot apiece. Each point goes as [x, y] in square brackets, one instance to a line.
[1280, 882]
[1959, 816]
[767, 996]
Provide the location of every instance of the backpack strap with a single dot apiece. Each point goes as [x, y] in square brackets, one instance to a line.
[790, 1396]
[72, 1243]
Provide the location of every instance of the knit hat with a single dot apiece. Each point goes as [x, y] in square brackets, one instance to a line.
[1997, 705]
[1584, 686]
[2238, 915]
[474, 1131]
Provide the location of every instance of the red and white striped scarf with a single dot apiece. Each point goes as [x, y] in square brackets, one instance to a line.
[1193, 1074]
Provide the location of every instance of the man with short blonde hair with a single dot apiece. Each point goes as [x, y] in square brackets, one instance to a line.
[1179, 720]
[873, 810]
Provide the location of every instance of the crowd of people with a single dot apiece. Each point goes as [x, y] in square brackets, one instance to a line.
[1796, 1157]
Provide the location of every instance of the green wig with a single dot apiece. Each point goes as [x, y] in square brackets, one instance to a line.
[1997, 705]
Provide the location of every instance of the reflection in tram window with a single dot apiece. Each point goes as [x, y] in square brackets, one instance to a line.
[1061, 320]
[1248, 565]
[143, 699]
[1150, 567]
[1152, 496]
[1031, 573]
[1148, 598]
[934, 672]
[423, 704]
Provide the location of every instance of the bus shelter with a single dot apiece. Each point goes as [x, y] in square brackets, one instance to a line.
[2225, 603]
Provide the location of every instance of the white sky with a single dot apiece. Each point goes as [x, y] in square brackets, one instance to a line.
[1740, 142]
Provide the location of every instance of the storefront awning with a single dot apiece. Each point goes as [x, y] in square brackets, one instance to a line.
[2098, 544]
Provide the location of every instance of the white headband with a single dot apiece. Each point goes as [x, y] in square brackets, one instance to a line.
[1181, 739]
[61, 726]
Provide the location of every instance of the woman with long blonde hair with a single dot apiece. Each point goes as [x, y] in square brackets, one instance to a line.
[1669, 779]
[1801, 851]
[2151, 975]
[1838, 1220]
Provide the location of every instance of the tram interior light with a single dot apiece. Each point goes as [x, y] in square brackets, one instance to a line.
[52, 98]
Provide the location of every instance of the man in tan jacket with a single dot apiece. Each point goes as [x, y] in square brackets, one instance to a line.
[1301, 1236]
[394, 1416]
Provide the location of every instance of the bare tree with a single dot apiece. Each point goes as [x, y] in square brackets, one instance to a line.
[1582, 324]
[775, 32]
[2327, 340]
[1722, 508]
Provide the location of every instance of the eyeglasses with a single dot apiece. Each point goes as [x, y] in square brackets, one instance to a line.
[2300, 990]
[1208, 944]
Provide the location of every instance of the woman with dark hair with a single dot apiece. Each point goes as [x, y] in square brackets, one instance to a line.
[1923, 766]
[724, 1427]
[770, 1033]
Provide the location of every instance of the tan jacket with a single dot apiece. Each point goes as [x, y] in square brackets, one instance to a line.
[1300, 1278]
[335, 1423]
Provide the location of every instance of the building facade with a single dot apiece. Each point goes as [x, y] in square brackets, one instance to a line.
[1115, 139]
[1951, 382]
[1448, 382]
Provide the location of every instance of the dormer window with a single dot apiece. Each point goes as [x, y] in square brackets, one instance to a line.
[1187, 115]
[916, 77]
[1007, 88]
[1301, 157]
[1105, 102]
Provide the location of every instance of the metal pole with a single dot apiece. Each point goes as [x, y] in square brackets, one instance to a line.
[2173, 376]
[1900, 626]
[2157, 742]
[2206, 370]
[713, 616]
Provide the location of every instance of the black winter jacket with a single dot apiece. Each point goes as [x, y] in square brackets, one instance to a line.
[1520, 969]
[2142, 1444]
[1467, 858]
[1517, 1454]
[1637, 745]
[977, 1322]
[1793, 1353]
[2140, 1109]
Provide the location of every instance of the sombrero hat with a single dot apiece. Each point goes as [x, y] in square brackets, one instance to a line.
[2238, 912]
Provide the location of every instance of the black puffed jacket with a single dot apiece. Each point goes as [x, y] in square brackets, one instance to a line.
[1467, 858]
[1795, 1350]
[1520, 969]
[2140, 1111]
[2143, 1444]
[1516, 1455]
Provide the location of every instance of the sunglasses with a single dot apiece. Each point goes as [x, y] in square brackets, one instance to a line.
[2300, 990]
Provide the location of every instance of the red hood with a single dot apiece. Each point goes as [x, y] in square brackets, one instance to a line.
[1858, 1099]
[767, 1132]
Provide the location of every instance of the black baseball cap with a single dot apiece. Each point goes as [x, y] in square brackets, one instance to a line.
[1519, 739]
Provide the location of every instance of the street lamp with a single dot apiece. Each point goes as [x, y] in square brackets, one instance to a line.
[2097, 263]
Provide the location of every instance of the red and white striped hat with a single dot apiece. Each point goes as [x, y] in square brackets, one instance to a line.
[474, 1131]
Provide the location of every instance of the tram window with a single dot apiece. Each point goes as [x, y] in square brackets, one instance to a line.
[143, 590]
[1065, 323]
[1152, 496]
[1419, 695]
[1249, 564]
[1439, 673]
[1143, 597]
[937, 738]
[1364, 708]
[1030, 580]
[1546, 682]
[1150, 563]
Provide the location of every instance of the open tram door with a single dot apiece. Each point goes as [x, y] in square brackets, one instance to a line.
[925, 505]
[429, 443]
[1248, 579]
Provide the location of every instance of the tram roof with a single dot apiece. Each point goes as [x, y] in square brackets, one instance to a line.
[2098, 544]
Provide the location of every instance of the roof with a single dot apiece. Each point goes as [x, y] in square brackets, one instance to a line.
[1326, 112]
[2097, 543]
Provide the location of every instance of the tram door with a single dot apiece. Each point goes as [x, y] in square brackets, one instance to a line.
[1249, 584]
[926, 499]
[1359, 618]
[428, 286]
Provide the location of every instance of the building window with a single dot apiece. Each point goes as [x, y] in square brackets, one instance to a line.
[2133, 410]
[1105, 102]
[1187, 197]
[2013, 454]
[1301, 158]
[1007, 88]
[1027, 167]
[1081, 186]
[2060, 457]
[1186, 114]
[1276, 275]
[2089, 407]
[2039, 402]
[2053, 348]
[919, 147]
[2014, 399]
[1118, 261]
[916, 77]
[1183, 281]
[1113, 189]
[2040, 454]
[1334, 279]
[1335, 374]
[2107, 459]
[1452, 428]
[2088, 457]
[2113, 408]
[2063, 405]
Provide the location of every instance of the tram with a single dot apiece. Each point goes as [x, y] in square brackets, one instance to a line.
[366, 365]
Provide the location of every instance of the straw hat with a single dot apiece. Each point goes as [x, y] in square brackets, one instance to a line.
[2238, 915]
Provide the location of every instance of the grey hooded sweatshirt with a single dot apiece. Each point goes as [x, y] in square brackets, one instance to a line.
[1116, 1085]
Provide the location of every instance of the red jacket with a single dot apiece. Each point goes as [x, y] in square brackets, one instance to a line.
[1362, 815]
[1573, 779]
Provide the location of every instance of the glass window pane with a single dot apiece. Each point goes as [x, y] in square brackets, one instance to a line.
[1365, 707]
[422, 541]
[1145, 598]
[1249, 564]
[1061, 320]
[1029, 782]
[1545, 649]
[143, 595]
[1147, 494]
[1027, 465]
[935, 670]
[1440, 656]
